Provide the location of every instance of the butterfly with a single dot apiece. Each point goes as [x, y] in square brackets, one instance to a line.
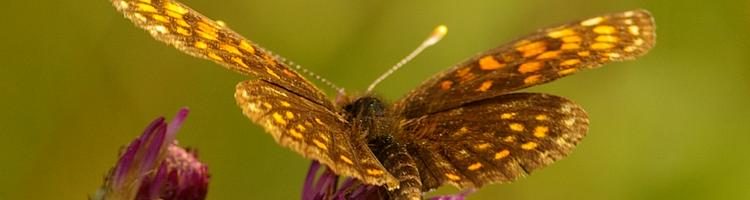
[464, 126]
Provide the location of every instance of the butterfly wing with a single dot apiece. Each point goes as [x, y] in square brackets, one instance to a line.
[311, 130]
[534, 59]
[493, 140]
[189, 31]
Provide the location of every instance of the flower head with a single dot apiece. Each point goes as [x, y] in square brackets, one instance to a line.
[153, 166]
[326, 187]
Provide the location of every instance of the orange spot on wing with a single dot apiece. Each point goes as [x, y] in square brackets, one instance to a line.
[509, 139]
[532, 79]
[463, 72]
[375, 172]
[507, 115]
[205, 26]
[489, 63]
[485, 86]
[288, 73]
[561, 33]
[634, 30]
[272, 73]
[183, 31]
[604, 29]
[207, 31]
[529, 145]
[182, 23]
[289, 115]
[502, 154]
[567, 71]
[146, 7]
[270, 60]
[446, 85]
[516, 127]
[244, 45]
[175, 8]
[530, 46]
[533, 52]
[207, 35]
[230, 49]
[279, 119]
[452, 176]
[529, 67]
[606, 38]
[522, 42]
[215, 57]
[160, 18]
[320, 144]
[638, 41]
[613, 55]
[474, 166]
[295, 134]
[541, 131]
[239, 61]
[548, 55]
[541, 117]
[570, 62]
[346, 159]
[301, 128]
[592, 21]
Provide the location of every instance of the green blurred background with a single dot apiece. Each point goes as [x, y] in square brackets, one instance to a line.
[78, 81]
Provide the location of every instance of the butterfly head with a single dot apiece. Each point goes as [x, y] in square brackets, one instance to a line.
[365, 107]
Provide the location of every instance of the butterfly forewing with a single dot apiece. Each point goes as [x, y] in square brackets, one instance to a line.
[494, 140]
[189, 31]
[311, 130]
[537, 58]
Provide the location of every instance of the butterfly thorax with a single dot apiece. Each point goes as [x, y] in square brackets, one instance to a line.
[372, 121]
[369, 117]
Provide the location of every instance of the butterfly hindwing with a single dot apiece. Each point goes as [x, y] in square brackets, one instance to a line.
[534, 59]
[189, 31]
[311, 130]
[493, 140]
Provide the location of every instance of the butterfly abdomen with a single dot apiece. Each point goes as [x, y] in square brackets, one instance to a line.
[396, 159]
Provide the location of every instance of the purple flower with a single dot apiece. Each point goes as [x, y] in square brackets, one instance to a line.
[326, 188]
[153, 166]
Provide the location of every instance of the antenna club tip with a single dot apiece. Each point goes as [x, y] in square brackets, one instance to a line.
[437, 34]
[442, 29]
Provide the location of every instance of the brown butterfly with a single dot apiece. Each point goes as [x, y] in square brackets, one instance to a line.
[463, 126]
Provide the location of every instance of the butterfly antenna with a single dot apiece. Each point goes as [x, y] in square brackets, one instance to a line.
[436, 35]
[303, 70]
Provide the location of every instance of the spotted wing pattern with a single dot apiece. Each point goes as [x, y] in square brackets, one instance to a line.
[311, 130]
[493, 140]
[537, 58]
[189, 31]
